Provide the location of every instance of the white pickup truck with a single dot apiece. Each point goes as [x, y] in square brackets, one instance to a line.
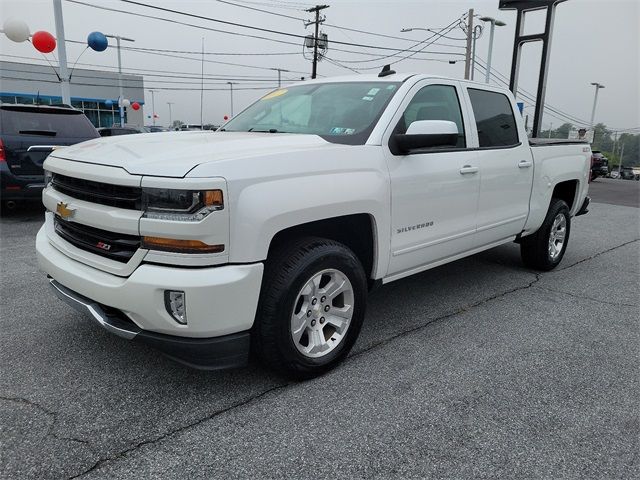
[267, 235]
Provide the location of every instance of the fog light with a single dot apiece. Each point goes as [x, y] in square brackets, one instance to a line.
[176, 304]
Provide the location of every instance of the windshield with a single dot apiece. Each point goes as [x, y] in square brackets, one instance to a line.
[338, 112]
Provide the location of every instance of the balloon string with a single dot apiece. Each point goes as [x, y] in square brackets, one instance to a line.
[44, 56]
[76, 62]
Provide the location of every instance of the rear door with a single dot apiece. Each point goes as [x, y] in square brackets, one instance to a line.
[30, 134]
[505, 163]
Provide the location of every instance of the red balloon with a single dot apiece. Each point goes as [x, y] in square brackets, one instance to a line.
[44, 42]
[226, 117]
[135, 106]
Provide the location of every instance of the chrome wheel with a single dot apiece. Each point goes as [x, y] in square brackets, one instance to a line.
[557, 236]
[322, 313]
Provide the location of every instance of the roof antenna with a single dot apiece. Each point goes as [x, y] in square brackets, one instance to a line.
[386, 70]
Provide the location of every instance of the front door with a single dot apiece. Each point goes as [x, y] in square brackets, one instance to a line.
[434, 192]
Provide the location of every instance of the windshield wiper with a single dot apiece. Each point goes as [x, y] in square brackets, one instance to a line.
[47, 133]
[271, 130]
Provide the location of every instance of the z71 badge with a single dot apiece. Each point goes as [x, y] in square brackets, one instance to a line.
[414, 227]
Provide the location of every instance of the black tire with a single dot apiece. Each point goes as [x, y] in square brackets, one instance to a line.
[534, 248]
[287, 270]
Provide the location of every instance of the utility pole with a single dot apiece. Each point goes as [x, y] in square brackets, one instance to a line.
[202, 87]
[170, 117]
[317, 22]
[120, 89]
[550, 128]
[620, 161]
[62, 52]
[467, 61]
[231, 85]
[153, 106]
[477, 32]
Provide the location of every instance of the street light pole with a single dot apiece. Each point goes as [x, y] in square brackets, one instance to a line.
[477, 32]
[493, 22]
[153, 106]
[279, 70]
[595, 101]
[231, 85]
[62, 52]
[170, 118]
[120, 88]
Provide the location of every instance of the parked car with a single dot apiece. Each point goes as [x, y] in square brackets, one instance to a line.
[268, 234]
[114, 130]
[189, 127]
[28, 133]
[599, 165]
[627, 173]
[155, 129]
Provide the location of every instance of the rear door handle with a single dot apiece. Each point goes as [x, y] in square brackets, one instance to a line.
[524, 164]
[468, 169]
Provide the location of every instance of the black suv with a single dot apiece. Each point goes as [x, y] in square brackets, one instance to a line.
[28, 134]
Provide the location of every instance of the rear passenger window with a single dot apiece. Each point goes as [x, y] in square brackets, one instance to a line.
[494, 119]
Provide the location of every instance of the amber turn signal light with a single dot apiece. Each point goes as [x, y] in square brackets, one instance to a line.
[213, 198]
[182, 246]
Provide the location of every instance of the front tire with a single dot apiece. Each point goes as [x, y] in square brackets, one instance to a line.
[311, 307]
[544, 249]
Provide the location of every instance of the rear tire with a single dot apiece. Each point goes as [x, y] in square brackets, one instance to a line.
[311, 307]
[544, 249]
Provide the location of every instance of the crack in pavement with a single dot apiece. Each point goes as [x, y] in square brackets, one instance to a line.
[51, 414]
[597, 255]
[584, 297]
[170, 433]
[538, 276]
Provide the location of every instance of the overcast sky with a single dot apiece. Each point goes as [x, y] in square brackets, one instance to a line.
[594, 41]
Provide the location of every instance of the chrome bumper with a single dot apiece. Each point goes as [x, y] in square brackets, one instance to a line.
[111, 323]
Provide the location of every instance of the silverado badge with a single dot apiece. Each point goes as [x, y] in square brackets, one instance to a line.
[64, 211]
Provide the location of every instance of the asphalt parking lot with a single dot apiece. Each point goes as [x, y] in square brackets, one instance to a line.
[477, 369]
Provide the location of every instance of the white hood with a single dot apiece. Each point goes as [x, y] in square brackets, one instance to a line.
[174, 154]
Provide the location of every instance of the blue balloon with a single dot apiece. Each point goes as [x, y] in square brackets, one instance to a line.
[108, 103]
[97, 41]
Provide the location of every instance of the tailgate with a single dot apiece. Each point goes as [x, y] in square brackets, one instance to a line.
[25, 155]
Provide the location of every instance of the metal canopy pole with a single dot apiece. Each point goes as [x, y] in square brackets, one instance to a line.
[522, 7]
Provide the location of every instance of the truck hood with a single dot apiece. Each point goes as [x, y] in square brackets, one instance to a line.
[174, 154]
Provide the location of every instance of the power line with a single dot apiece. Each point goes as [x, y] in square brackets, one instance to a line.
[261, 10]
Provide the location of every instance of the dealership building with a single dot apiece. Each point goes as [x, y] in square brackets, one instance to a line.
[94, 92]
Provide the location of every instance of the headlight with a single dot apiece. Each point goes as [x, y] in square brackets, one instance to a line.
[48, 177]
[180, 205]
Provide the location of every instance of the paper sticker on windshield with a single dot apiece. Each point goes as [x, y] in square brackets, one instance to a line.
[368, 99]
[373, 91]
[274, 94]
[342, 131]
[391, 87]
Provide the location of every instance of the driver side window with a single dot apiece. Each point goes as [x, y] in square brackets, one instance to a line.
[434, 102]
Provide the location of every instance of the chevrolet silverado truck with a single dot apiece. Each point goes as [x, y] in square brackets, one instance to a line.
[266, 236]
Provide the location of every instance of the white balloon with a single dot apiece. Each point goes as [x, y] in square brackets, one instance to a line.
[126, 102]
[16, 30]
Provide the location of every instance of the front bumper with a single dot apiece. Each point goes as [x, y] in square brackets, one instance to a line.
[227, 351]
[220, 301]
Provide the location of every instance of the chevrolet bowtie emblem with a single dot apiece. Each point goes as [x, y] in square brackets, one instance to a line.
[64, 211]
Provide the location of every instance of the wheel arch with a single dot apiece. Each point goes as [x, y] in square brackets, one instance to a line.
[357, 231]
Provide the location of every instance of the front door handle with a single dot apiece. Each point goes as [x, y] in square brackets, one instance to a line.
[468, 169]
[525, 164]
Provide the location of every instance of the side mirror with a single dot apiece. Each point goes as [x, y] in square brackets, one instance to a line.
[427, 134]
